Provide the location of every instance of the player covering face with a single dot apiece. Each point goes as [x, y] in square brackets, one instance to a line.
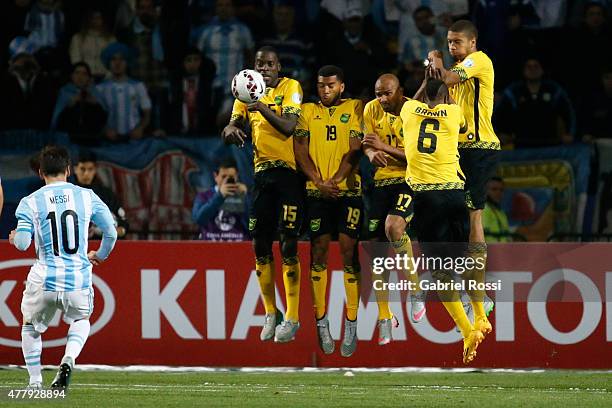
[391, 198]
[471, 83]
[327, 144]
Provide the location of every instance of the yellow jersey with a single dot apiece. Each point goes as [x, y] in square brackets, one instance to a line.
[271, 148]
[474, 94]
[388, 128]
[329, 130]
[430, 142]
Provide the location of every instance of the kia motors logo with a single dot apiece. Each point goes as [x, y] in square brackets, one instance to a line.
[103, 319]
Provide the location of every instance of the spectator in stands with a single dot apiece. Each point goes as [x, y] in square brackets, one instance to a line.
[12, 21]
[85, 171]
[590, 41]
[144, 36]
[201, 12]
[229, 43]
[411, 77]
[190, 110]
[45, 23]
[294, 50]
[255, 14]
[221, 212]
[596, 110]
[126, 100]
[28, 93]
[337, 8]
[534, 111]
[88, 44]
[428, 37]
[357, 48]
[440, 9]
[78, 110]
[124, 14]
[494, 219]
[576, 13]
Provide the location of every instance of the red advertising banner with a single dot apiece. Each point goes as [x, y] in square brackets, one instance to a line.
[197, 304]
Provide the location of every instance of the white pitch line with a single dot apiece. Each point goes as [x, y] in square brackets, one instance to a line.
[290, 388]
[416, 370]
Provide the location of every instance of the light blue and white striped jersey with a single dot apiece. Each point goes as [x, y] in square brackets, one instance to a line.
[45, 27]
[124, 101]
[58, 216]
[418, 46]
[225, 42]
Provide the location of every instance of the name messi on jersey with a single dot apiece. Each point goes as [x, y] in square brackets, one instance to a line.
[427, 112]
[59, 199]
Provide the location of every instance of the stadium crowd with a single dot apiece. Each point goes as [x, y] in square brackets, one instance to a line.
[110, 71]
[63, 59]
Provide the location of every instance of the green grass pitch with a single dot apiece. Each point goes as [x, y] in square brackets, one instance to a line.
[327, 389]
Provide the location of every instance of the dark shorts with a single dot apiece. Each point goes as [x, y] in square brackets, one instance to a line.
[479, 166]
[395, 199]
[278, 203]
[440, 216]
[341, 216]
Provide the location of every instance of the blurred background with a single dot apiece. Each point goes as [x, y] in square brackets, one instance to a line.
[139, 90]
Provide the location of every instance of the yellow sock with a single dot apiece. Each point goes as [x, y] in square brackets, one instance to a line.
[382, 297]
[455, 310]
[291, 279]
[404, 246]
[477, 251]
[264, 266]
[351, 287]
[318, 280]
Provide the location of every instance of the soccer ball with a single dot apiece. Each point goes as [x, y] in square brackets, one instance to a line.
[248, 86]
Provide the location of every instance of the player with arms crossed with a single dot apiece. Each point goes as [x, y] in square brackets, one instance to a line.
[470, 82]
[278, 194]
[431, 132]
[391, 198]
[327, 144]
[58, 217]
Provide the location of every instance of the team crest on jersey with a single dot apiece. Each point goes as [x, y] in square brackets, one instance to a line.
[468, 63]
[373, 225]
[470, 136]
[315, 224]
[392, 120]
[345, 117]
[278, 100]
[252, 223]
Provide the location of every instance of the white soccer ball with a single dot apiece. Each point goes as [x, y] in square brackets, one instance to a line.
[248, 86]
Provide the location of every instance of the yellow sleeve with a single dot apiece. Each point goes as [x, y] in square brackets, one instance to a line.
[357, 119]
[239, 112]
[475, 65]
[368, 118]
[302, 129]
[292, 100]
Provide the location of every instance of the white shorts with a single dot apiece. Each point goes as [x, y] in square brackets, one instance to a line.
[39, 306]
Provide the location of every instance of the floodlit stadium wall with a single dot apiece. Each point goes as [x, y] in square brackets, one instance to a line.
[197, 304]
